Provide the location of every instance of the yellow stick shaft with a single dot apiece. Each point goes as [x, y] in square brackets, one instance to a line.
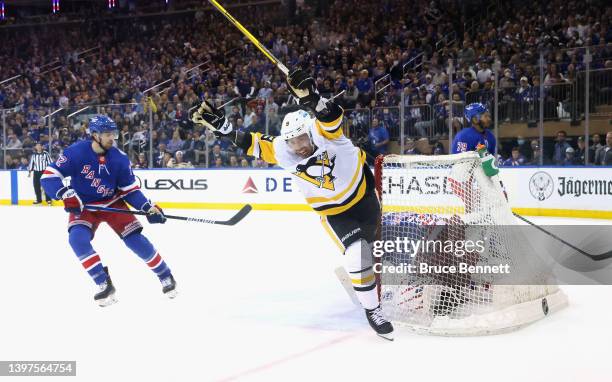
[253, 39]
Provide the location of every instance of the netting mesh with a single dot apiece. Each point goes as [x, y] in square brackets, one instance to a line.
[449, 198]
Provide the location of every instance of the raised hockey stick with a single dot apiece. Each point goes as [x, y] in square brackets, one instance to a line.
[253, 39]
[244, 211]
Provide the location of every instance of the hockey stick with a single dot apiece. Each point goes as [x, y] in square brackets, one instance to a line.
[599, 257]
[345, 281]
[253, 39]
[244, 211]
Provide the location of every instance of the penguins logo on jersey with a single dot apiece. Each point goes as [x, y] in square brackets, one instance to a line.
[318, 171]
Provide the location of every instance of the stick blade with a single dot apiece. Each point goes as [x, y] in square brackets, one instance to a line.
[244, 211]
[345, 281]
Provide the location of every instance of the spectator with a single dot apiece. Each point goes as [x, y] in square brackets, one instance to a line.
[536, 155]
[178, 161]
[597, 149]
[176, 143]
[378, 138]
[158, 159]
[484, 73]
[13, 142]
[559, 154]
[167, 160]
[410, 147]
[570, 159]
[365, 86]
[141, 161]
[257, 125]
[351, 94]
[23, 164]
[233, 161]
[524, 96]
[467, 55]
[596, 142]
[516, 159]
[215, 155]
[199, 146]
[604, 154]
[524, 147]
[581, 153]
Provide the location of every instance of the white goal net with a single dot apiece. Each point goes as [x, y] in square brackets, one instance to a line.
[486, 281]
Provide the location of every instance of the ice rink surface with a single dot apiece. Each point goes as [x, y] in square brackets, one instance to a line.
[257, 302]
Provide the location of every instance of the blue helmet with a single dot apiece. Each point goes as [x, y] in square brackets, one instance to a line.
[101, 123]
[475, 109]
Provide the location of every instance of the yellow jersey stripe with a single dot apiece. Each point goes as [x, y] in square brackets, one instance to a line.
[262, 148]
[331, 233]
[254, 144]
[358, 170]
[337, 133]
[333, 124]
[337, 210]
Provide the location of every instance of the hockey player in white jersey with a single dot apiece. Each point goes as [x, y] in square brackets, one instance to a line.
[331, 173]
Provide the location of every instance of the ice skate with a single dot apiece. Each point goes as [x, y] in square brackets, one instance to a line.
[379, 323]
[106, 294]
[169, 286]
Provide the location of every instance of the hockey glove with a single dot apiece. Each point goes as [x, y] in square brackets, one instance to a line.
[155, 215]
[72, 202]
[213, 119]
[303, 87]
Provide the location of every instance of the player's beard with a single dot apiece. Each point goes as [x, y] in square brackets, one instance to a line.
[305, 152]
[106, 145]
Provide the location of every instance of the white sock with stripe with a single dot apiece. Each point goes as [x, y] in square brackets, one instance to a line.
[358, 263]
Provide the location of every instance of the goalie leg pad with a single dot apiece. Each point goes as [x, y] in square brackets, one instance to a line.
[358, 262]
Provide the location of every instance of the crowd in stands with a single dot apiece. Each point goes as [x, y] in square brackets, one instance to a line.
[116, 62]
[564, 152]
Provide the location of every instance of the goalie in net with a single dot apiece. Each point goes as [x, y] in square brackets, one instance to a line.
[450, 199]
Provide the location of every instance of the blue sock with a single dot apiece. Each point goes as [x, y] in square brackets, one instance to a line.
[79, 237]
[141, 246]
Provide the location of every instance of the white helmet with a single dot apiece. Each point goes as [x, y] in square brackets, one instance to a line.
[295, 124]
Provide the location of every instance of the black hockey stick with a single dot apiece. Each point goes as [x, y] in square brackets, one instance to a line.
[599, 257]
[244, 211]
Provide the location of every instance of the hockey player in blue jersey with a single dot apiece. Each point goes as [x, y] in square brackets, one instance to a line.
[101, 175]
[476, 131]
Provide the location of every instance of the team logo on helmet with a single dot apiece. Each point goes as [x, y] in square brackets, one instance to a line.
[318, 171]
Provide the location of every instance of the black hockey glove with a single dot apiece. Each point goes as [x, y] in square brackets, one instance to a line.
[303, 87]
[213, 119]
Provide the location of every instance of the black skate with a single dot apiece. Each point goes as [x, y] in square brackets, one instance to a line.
[379, 323]
[106, 295]
[169, 286]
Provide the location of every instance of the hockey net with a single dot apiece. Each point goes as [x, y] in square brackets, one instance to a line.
[450, 198]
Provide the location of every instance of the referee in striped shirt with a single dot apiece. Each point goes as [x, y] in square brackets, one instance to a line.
[38, 163]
